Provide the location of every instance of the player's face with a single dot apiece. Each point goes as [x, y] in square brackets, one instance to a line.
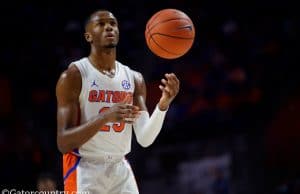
[104, 29]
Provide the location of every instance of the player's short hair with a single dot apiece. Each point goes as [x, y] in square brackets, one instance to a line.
[88, 20]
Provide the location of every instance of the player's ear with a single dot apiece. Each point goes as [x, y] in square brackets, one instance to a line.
[88, 37]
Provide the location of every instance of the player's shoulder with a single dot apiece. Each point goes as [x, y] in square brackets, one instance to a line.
[70, 79]
[69, 84]
[137, 75]
[71, 73]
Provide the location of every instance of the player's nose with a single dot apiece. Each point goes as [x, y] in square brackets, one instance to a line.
[108, 27]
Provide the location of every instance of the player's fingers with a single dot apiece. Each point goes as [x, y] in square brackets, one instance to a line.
[136, 108]
[174, 78]
[121, 117]
[130, 110]
[130, 107]
[168, 86]
[126, 119]
[133, 114]
[161, 88]
[168, 90]
[165, 88]
[176, 84]
[164, 81]
[124, 112]
[172, 85]
[170, 79]
[131, 118]
[129, 121]
[172, 88]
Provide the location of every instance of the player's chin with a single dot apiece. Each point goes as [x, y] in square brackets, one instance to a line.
[111, 45]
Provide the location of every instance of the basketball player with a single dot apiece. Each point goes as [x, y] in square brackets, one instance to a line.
[100, 101]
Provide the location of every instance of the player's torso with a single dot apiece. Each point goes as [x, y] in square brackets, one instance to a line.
[99, 92]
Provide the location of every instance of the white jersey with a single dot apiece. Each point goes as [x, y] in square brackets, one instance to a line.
[98, 93]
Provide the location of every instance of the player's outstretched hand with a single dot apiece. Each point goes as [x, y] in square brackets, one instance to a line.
[170, 88]
[122, 112]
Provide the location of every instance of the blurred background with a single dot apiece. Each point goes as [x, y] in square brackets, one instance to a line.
[233, 129]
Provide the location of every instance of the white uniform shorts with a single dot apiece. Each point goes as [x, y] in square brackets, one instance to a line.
[108, 175]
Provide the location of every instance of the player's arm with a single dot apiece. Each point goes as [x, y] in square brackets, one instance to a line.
[70, 135]
[147, 128]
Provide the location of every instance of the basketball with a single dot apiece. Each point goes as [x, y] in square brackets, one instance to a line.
[169, 33]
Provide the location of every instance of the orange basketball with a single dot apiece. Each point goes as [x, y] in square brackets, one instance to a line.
[170, 33]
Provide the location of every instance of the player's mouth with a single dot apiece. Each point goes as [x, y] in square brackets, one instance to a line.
[110, 36]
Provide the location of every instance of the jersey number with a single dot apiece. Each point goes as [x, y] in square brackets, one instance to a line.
[117, 127]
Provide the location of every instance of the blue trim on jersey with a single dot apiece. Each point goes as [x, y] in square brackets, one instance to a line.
[72, 169]
[76, 150]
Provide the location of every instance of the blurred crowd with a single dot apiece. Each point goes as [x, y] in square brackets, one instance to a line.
[238, 75]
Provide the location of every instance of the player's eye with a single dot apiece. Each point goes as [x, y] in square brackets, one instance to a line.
[113, 23]
[101, 23]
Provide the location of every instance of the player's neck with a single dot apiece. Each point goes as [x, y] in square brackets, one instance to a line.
[103, 60]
